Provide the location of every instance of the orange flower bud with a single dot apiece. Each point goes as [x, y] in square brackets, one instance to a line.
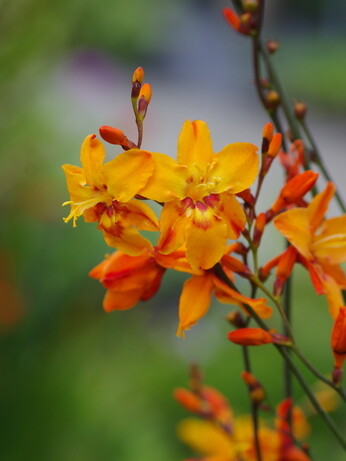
[295, 189]
[267, 135]
[138, 75]
[275, 145]
[284, 269]
[260, 223]
[112, 135]
[236, 319]
[144, 99]
[338, 341]
[250, 336]
[232, 18]
[256, 389]
[187, 399]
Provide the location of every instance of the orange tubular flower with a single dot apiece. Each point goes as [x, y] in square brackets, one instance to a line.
[199, 194]
[321, 244]
[128, 279]
[103, 193]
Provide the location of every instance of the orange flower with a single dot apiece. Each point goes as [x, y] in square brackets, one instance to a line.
[321, 244]
[128, 279]
[103, 193]
[199, 190]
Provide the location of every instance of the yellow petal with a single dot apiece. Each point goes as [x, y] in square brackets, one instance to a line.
[194, 144]
[168, 181]
[319, 206]
[173, 223]
[127, 240]
[128, 173]
[206, 438]
[233, 214]
[194, 301]
[334, 295]
[295, 226]
[236, 167]
[205, 242]
[330, 244]
[92, 156]
[139, 214]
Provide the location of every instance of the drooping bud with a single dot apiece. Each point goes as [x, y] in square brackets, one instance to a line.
[338, 342]
[272, 46]
[250, 336]
[137, 80]
[144, 99]
[256, 389]
[115, 136]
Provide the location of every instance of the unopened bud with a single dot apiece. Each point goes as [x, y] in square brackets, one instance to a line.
[250, 336]
[275, 145]
[300, 109]
[187, 399]
[144, 99]
[272, 99]
[256, 389]
[260, 223]
[272, 46]
[236, 319]
[268, 131]
[232, 18]
[137, 80]
[115, 136]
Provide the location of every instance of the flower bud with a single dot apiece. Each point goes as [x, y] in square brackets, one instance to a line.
[144, 99]
[232, 18]
[272, 99]
[236, 319]
[260, 223]
[250, 336]
[275, 145]
[115, 136]
[187, 399]
[267, 135]
[300, 109]
[272, 46]
[338, 341]
[250, 6]
[256, 389]
[137, 80]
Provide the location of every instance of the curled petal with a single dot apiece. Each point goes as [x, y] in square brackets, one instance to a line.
[194, 301]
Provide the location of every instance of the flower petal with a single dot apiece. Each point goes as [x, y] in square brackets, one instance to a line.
[168, 180]
[233, 214]
[319, 206]
[139, 214]
[194, 301]
[330, 244]
[205, 242]
[236, 167]
[295, 226]
[194, 144]
[172, 226]
[128, 173]
[92, 156]
[127, 240]
[121, 300]
[206, 437]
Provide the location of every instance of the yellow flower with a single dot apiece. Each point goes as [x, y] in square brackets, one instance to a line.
[321, 244]
[198, 191]
[103, 193]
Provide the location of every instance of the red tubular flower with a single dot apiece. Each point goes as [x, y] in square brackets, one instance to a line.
[250, 336]
[338, 341]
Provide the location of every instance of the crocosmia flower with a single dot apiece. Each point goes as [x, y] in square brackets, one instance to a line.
[198, 190]
[103, 193]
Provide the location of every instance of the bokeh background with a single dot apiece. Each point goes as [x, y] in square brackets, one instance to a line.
[77, 384]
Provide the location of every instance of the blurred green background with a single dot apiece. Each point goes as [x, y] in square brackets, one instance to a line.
[77, 384]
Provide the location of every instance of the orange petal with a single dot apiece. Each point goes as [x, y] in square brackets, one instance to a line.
[330, 244]
[233, 214]
[295, 226]
[194, 144]
[194, 301]
[127, 240]
[206, 438]
[168, 180]
[116, 300]
[92, 156]
[138, 214]
[205, 246]
[172, 226]
[319, 206]
[128, 173]
[334, 295]
[236, 167]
